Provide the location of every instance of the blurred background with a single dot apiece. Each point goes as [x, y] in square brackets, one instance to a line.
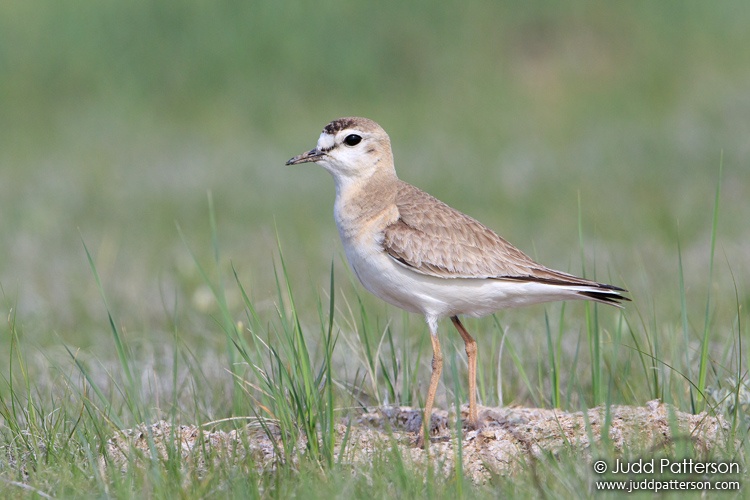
[118, 118]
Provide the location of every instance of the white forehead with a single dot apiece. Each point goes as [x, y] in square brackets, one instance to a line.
[326, 141]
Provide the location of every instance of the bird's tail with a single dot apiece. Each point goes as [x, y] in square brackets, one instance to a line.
[606, 294]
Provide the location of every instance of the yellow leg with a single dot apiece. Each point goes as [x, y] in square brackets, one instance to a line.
[471, 353]
[437, 368]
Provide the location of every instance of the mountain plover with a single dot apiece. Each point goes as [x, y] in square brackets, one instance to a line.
[417, 253]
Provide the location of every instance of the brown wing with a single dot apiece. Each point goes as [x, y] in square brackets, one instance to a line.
[434, 239]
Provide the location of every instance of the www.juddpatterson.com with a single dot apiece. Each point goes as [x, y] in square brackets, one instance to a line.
[656, 485]
[691, 475]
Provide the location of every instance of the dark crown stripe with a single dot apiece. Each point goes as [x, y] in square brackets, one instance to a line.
[338, 125]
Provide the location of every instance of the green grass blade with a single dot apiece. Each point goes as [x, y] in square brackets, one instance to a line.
[592, 323]
[123, 354]
[707, 320]
[553, 373]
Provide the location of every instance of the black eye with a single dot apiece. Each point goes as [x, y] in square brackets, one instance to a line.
[352, 140]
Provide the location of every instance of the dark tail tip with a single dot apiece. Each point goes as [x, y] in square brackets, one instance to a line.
[612, 297]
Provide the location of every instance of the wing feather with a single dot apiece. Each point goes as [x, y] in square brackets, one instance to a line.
[434, 239]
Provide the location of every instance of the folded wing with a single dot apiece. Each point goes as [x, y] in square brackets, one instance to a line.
[434, 239]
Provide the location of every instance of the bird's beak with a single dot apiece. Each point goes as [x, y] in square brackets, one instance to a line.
[311, 156]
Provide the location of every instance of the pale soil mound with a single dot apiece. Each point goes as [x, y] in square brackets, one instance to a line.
[509, 436]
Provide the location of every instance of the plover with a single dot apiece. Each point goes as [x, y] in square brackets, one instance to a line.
[419, 254]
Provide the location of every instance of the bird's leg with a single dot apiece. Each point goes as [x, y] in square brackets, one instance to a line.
[437, 368]
[471, 353]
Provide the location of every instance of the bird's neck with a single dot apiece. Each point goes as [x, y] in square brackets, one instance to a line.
[363, 203]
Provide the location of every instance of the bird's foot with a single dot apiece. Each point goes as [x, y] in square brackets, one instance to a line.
[473, 425]
[471, 420]
[420, 441]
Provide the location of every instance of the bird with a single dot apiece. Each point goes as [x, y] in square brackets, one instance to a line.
[419, 254]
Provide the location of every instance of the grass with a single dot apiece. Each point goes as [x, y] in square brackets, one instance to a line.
[117, 118]
[289, 373]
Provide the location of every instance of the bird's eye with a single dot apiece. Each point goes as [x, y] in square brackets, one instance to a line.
[352, 140]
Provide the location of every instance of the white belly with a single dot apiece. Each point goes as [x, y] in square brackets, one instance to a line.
[436, 297]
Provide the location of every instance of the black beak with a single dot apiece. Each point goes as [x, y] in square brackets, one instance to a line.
[311, 156]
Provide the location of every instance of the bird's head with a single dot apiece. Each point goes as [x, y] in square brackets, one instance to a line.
[351, 149]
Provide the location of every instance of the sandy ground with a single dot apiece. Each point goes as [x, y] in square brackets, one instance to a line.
[508, 438]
